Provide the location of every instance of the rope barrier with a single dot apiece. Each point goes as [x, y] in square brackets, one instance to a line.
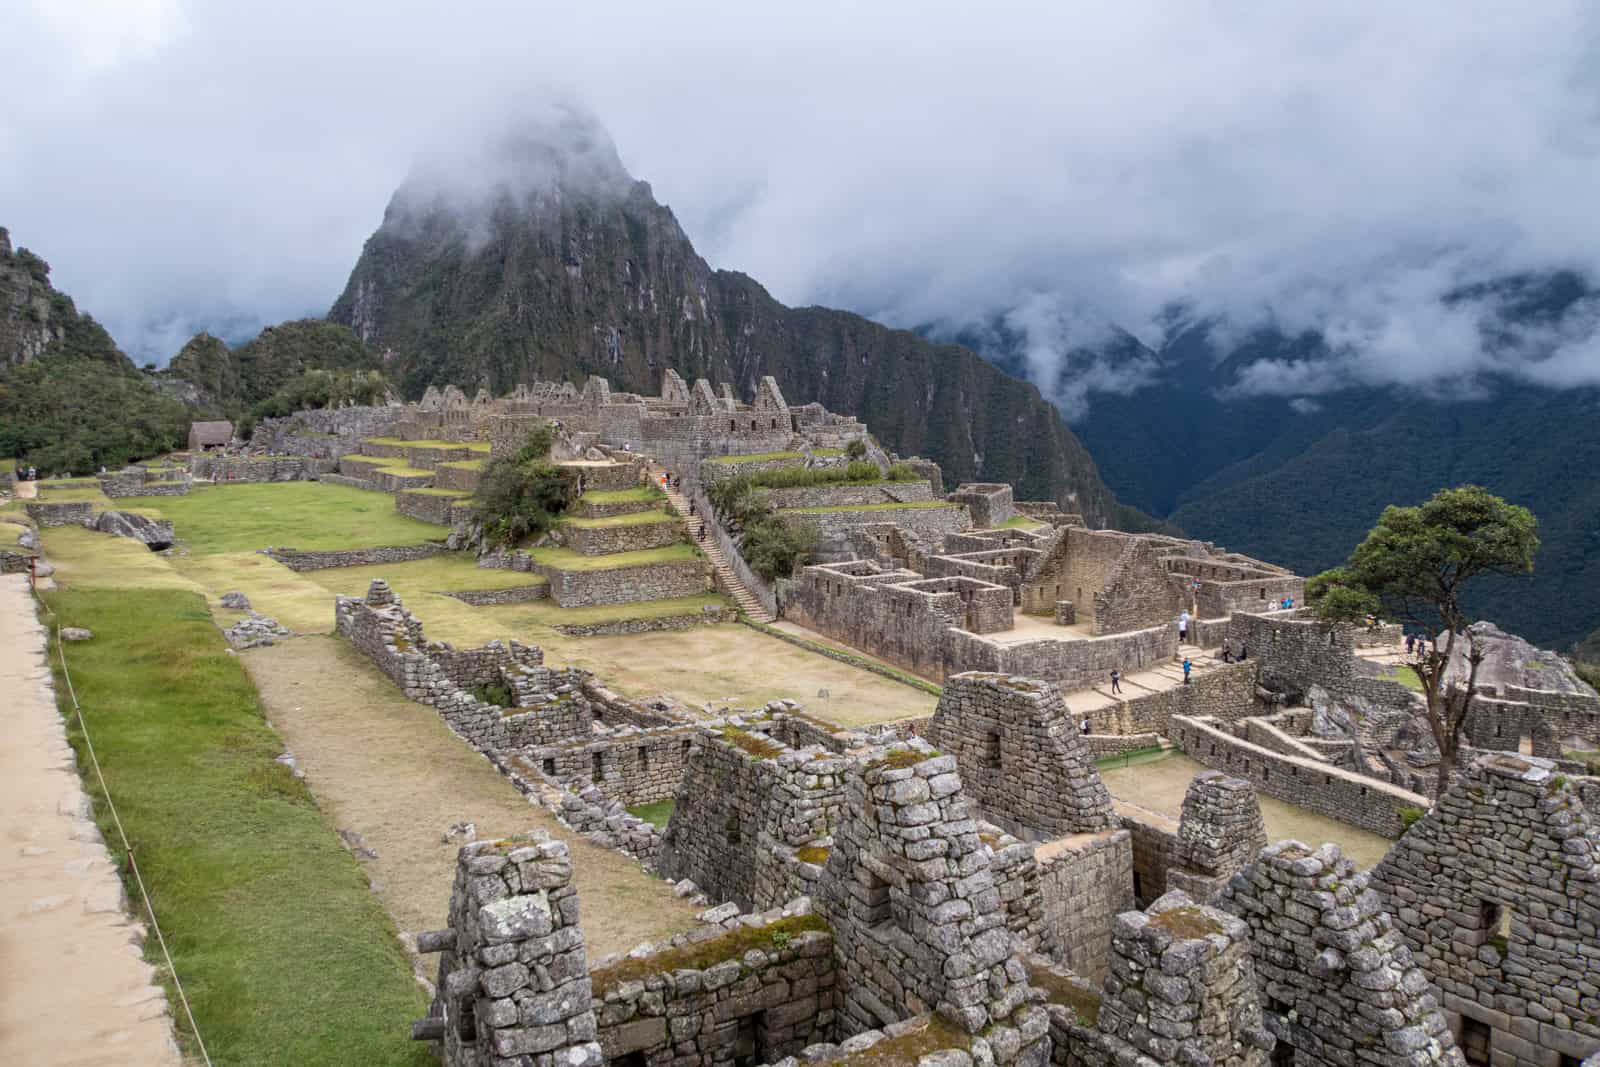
[127, 846]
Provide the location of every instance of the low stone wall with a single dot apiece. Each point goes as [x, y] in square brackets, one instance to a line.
[348, 482]
[67, 513]
[588, 508]
[822, 496]
[393, 481]
[248, 468]
[361, 466]
[630, 537]
[428, 457]
[517, 594]
[1265, 733]
[296, 560]
[1103, 745]
[636, 769]
[1085, 881]
[1226, 693]
[606, 477]
[627, 585]
[1072, 664]
[16, 561]
[446, 476]
[645, 626]
[755, 1005]
[426, 506]
[1311, 784]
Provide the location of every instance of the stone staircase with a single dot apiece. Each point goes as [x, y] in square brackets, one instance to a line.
[727, 578]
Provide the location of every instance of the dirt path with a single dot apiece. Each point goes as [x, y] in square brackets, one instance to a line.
[74, 988]
[389, 770]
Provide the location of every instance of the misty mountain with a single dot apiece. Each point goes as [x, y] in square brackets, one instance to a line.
[543, 258]
[1300, 480]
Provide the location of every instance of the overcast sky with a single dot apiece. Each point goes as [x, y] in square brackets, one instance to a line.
[1062, 167]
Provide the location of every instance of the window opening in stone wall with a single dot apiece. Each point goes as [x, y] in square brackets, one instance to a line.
[1494, 919]
[644, 758]
[629, 1059]
[731, 829]
[1475, 1041]
[1282, 1052]
[550, 766]
[1138, 888]
[599, 767]
[1570, 1061]
[747, 1041]
[991, 751]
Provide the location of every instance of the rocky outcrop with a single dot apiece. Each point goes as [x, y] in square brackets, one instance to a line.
[155, 533]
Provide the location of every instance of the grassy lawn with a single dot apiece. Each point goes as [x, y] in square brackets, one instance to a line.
[85, 557]
[636, 518]
[71, 494]
[312, 516]
[567, 560]
[623, 496]
[1405, 675]
[656, 814]
[284, 952]
[444, 573]
[906, 506]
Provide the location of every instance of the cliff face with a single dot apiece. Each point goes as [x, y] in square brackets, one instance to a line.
[559, 265]
[29, 319]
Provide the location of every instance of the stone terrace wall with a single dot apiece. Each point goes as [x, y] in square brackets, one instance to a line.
[1320, 787]
[1070, 664]
[1497, 892]
[296, 560]
[627, 585]
[425, 505]
[448, 476]
[924, 522]
[1020, 755]
[1342, 988]
[1226, 692]
[251, 468]
[634, 537]
[67, 513]
[1085, 881]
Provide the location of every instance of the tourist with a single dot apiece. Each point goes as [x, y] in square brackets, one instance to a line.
[1411, 643]
[1084, 729]
[1186, 666]
[1183, 625]
[1227, 654]
[1116, 680]
[33, 474]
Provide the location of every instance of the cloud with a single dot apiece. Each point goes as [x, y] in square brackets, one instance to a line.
[1056, 168]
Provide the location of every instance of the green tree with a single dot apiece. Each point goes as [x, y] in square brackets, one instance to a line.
[1414, 566]
[775, 546]
[521, 494]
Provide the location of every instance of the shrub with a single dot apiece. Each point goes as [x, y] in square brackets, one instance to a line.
[1409, 816]
[498, 695]
[856, 449]
[774, 547]
[521, 495]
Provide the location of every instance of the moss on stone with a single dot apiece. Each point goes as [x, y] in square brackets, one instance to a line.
[697, 956]
[908, 1048]
[1072, 993]
[1187, 922]
[814, 854]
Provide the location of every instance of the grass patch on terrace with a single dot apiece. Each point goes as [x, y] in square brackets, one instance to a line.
[1405, 675]
[464, 464]
[45, 484]
[87, 557]
[475, 446]
[698, 955]
[756, 745]
[622, 496]
[373, 461]
[1154, 754]
[1020, 522]
[763, 457]
[311, 516]
[404, 471]
[565, 559]
[634, 518]
[284, 951]
[430, 491]
[72, 494]
[893, 506]
[657, 813]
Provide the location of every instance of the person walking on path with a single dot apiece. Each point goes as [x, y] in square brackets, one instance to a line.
[1084, 729]
[1186, 666]
[1116, 680]
[1183, 625]
[1411, 643]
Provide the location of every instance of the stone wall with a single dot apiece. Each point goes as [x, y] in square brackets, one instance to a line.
[226, 468]
[513, 979]
[753, 994]
[1072, 664]
[455, 476]
[636, 769]
[1155, 847]
[923, 521]
[1341, 987]
[296, 560]
[46, 514]
[988, 503]
[820, 496]
[1020, 756]
[1501, 719]
[627, 585]
[1085, 881]
[1497, 892]
[1219, 831]
[426, 505]
[909, 892]
[1137, 593]
[1292, 653]
[745, 804]
[1226, 692]
[549, 705]
[630, 537]
[516, 594]
[1320, 787]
